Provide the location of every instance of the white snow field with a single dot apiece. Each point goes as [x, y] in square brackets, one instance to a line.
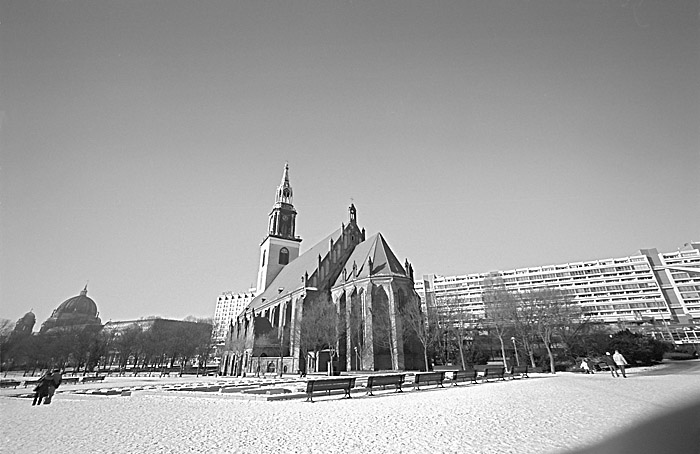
[541, 414]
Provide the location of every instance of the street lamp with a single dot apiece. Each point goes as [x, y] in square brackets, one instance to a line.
[515, 347]
[357, 360]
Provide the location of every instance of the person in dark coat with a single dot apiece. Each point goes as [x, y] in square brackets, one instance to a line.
[41, 390]
[610, 362]
[54, 383]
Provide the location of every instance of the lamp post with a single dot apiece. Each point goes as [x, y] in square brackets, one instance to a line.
[357, 359]
[515, 347]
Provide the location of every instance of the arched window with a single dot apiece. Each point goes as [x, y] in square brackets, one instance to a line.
[284, 256]
[263, 259]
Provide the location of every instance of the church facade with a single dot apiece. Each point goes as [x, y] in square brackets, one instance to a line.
[359, 276]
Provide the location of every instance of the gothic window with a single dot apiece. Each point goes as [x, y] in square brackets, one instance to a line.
[284, 256]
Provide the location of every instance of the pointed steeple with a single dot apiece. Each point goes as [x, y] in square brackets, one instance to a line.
[281, 246]
[284, 190]
[84, 292]
[282, 221]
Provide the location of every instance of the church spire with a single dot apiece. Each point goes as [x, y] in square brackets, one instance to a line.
[284, 190]
[283, 215]
[281, 245]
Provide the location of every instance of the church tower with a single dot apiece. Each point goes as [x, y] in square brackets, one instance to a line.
[281, 246]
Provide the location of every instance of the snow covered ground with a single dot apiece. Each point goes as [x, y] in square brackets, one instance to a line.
[542, 414]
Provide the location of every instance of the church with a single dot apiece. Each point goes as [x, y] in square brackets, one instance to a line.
[358, 277]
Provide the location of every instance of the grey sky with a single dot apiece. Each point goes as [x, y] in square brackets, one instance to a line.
[142, 141]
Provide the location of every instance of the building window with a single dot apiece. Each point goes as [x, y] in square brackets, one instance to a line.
[263, 259]
[284, 256]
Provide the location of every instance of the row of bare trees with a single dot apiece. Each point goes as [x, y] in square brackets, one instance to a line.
[542, 317]
[163, 344]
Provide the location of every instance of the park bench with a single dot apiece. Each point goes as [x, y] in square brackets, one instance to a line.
[428, 377]
[493, 372]
[383, 381]
[9, 383]
[34, 381]
[328, 385]
[92, 379]
[463, 375]
[518, 372]
[70, 381]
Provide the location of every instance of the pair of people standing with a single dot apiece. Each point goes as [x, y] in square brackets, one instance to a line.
[616, 362]
[587, 366]
[46, 387]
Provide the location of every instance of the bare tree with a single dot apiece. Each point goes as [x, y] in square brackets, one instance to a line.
[320, 328]
[462, 326]
[5, 333]
[500, 308]
[552, 312]
[422, 325]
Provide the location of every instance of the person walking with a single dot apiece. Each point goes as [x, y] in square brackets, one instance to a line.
[610, 362]
[585, 366]
[591, 365]
[41, 390]
[53, 384]
[621, 362]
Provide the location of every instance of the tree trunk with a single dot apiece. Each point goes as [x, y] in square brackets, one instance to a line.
[503, 351]
[425, 357]
[551, 356]
[461, 355]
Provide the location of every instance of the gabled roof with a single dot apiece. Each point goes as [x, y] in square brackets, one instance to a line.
[384, 262]
[289, 278]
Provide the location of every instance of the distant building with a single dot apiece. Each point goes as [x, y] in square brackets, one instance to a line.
[25, 325]
[76, 312]
[661, 290]
[357, 274]
[229, 305]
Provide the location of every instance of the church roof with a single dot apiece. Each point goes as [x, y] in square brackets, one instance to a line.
[289, 278]
[384, 261]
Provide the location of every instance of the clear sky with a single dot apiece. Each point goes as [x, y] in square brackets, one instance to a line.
[142, 141]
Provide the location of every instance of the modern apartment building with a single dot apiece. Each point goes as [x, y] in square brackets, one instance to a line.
[228, 306]
[658, 289]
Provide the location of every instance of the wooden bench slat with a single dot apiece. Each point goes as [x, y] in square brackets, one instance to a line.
[464, 375]
[384, 380]
[520, 371]
[329, 384]
[9, 383]
[427, 378]
[493, 372]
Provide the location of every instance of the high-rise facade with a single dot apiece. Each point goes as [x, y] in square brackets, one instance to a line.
[657, 288]
[228, 306]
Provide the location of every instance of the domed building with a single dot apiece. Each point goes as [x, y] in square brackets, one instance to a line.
[77, 312]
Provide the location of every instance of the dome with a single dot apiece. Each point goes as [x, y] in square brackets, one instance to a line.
[78, 305]
[79, 311]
